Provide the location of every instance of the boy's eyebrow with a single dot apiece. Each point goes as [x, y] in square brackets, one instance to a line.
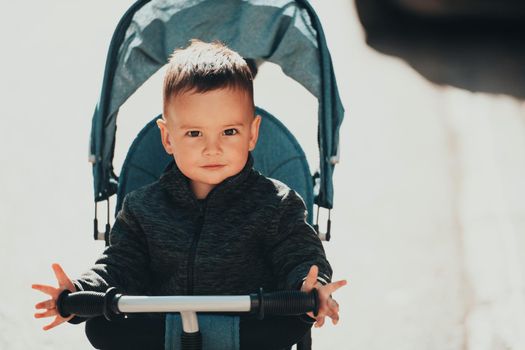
[230, 125]
[200, 127]
[188, 127]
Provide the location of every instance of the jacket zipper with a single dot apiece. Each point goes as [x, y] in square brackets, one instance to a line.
[193, 252]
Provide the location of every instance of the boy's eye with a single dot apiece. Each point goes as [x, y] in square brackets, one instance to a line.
[194, 133]
[230, 132]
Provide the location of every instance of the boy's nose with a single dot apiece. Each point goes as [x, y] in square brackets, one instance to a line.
[212, 147]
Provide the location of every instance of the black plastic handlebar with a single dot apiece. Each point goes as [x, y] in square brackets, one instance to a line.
[288, 302]
[91, 304]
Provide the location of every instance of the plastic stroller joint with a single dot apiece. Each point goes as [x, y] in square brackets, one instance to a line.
[96, 233]
[315, 294]
[60, 303]
[110, 309]
[323, 236]
[191, 341]
[260, 305]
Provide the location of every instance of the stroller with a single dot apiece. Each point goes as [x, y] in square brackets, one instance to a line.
[278, 31]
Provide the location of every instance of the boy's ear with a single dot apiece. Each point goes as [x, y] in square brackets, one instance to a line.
[164, 135]
[254, 132]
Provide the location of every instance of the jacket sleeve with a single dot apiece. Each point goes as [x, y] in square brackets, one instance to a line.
[295, 247]
[125, 262]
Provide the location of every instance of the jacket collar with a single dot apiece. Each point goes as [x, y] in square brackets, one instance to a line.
[178, 186]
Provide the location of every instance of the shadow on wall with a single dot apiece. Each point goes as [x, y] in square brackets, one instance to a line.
[476, 45]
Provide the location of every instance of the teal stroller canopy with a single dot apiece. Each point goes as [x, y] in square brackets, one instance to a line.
[287, 33]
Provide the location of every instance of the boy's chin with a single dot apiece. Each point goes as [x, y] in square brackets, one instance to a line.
[212, 181]
[217, 178]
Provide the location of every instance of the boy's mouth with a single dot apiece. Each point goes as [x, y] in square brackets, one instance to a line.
[213, 166]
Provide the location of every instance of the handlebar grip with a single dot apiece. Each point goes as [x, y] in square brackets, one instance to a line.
[88, 304]
[285, 303]
[85, 304]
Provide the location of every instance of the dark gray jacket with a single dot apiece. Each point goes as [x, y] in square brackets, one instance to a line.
[249, 232]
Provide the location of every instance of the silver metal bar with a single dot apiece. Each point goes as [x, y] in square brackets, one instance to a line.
[190, 322]
[205, 303]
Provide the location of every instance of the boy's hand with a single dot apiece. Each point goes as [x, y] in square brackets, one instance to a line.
[327, 305]
[50, 305]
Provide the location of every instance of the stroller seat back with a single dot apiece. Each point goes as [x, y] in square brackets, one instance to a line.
[277, 155]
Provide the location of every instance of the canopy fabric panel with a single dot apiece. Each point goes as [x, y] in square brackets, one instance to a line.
[284, 32]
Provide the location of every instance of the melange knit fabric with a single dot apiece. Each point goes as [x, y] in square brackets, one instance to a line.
[249, 232]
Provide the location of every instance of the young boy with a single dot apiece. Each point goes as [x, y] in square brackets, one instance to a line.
[211, 225]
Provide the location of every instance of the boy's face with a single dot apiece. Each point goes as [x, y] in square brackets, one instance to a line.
[209, 135]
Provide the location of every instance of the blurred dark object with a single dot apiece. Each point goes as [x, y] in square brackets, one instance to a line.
[474, 45]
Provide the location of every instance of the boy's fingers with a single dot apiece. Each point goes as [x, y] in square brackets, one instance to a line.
[320, 322]
[333, 305]
[48, 304]
[332, 287]
[333, 311]
[320, 315]
[49, 290]
[47, 313]
[335, 318]
[53, 324]
[311, 279]
[63, 280]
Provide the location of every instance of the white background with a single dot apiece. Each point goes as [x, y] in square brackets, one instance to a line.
[429, 219]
